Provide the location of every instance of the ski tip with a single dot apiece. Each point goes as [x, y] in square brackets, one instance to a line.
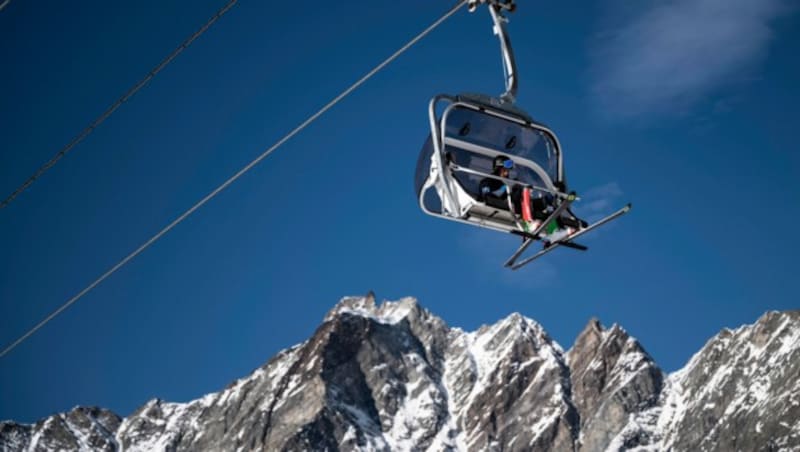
[627, 207]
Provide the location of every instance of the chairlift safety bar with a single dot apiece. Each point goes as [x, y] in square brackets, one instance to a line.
[454, 103]
[462, 169]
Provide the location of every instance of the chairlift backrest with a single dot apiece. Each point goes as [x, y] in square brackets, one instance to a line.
[475, 129]
[495, 133]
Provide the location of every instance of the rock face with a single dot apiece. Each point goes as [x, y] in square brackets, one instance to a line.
[612, 378]
[395, 377]
[740, 392]
[79, 429]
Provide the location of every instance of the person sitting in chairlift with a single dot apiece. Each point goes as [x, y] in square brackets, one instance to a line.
[493, 191]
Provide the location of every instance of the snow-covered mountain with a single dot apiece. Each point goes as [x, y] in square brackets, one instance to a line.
[395, 377]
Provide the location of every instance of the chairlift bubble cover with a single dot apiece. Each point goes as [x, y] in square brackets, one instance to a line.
[477, 132]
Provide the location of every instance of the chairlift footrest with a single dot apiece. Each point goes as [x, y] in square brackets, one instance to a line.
[569, 241]
[536, 235]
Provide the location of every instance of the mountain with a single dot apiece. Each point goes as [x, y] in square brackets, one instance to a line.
[395, 377]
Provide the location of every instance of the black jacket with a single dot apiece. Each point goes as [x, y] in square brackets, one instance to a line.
[488, 189]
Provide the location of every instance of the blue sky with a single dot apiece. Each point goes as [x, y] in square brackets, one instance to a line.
[687, 109]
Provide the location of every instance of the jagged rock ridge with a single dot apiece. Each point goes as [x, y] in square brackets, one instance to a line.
[395, 377]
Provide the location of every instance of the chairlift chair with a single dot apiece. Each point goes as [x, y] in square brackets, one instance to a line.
[468, 132]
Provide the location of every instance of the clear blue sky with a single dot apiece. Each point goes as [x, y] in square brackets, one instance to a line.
[688, 109]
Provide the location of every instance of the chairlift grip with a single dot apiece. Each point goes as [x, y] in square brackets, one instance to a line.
[507, 5]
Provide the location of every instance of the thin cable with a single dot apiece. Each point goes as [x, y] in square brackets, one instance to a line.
[233, 178]
[4, 4]
[116, 104]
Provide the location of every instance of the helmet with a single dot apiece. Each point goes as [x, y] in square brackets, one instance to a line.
[501, 161]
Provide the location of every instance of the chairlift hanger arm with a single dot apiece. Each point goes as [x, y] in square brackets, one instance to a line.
[496, 7]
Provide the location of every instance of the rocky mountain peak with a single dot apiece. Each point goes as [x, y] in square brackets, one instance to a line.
[82, 428]
[386, 312]
[589, 338]
[740, 391]
[613, 378]
[776, 326]
[393, 376]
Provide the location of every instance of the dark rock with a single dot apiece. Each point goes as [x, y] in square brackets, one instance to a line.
[741, 391]
[613, 377]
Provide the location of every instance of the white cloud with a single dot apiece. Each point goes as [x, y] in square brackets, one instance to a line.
[667, 55]
[609, 190]
[599, 201]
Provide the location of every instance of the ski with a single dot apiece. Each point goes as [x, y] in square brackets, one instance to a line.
[535, 234]
[556, 244]
[574, 246]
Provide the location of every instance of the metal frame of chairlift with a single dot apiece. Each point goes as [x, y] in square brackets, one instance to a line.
[502, 107]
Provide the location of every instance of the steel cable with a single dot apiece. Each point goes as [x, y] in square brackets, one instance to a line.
[133, 90]
[233, 178]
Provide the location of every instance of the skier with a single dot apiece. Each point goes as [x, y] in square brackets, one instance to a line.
[494, 192]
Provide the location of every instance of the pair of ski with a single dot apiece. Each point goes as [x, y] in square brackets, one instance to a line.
[565, 241]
